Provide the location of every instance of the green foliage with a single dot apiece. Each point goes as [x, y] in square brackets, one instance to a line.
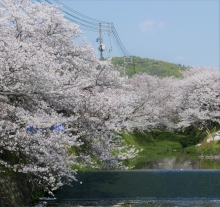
[163, 143]
[192, 150]
[186, 138]
[209, 149]
[150, 66]
[206, 149]
[154, 151]
[137, 138]
[150, 147]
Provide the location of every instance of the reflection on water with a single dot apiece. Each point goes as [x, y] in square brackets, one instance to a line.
[180, 162]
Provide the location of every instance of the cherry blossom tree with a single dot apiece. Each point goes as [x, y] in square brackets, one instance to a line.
[176, 104]
[60, 106]
[154, 107]
[199, 97]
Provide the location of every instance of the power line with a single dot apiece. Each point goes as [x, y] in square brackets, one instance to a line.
[84, 16]
[90, 24]
[87, 22]
[125, 52]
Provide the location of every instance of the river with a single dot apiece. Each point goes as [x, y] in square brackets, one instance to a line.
[168, 182]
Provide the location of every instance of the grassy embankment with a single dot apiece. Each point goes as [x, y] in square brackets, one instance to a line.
[206, 149]
[160, 144]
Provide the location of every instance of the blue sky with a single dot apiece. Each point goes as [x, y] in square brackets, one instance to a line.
[177, 31]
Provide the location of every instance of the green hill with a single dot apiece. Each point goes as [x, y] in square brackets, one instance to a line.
[150, 66]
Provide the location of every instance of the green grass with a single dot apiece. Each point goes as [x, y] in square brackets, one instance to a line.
[206, 149]
[150, 148]
[154, 151]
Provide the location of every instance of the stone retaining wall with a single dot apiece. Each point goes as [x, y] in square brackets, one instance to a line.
[15, 190]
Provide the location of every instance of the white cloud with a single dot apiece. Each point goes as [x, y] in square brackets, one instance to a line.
[147, 26]
[150, 26]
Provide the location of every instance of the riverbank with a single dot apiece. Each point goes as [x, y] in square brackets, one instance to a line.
[163, 144]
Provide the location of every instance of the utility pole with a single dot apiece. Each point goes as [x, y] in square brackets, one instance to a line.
[127, 60]
[100, 39]
[101, 49]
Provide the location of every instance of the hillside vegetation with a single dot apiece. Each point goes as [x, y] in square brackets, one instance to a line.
[150, 66]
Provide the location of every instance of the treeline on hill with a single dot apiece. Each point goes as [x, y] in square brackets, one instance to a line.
[150, 66]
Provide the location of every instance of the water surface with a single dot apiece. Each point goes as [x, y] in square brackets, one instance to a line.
[169, 182]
